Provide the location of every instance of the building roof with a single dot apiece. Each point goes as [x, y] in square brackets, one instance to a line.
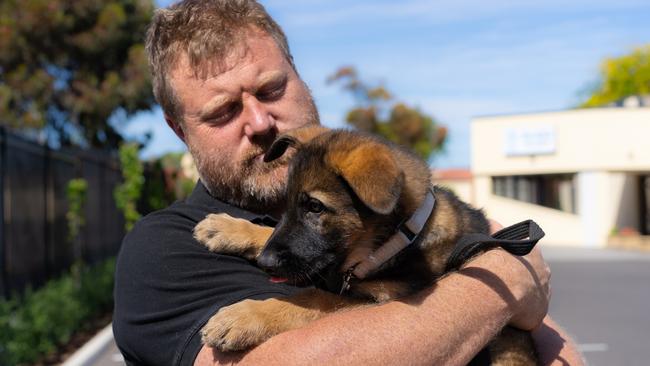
[452, 174]
[605, 109]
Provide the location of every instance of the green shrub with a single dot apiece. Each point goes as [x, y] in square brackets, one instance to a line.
[76, 194]
[36, 323]
[127, 194]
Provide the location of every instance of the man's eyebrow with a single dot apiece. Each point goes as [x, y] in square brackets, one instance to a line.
[271, 77]
[214, 104]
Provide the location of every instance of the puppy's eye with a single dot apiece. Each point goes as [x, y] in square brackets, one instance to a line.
[315, 206]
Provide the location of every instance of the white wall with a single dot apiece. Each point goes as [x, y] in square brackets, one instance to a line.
[602, 139]
[594, 207]
[607, 148]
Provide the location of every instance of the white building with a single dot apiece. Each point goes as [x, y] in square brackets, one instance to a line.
[583, 174]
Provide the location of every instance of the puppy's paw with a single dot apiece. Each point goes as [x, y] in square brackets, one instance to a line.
[222, 233]
[237, 327]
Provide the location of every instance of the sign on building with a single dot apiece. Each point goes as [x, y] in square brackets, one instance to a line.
[538, 140]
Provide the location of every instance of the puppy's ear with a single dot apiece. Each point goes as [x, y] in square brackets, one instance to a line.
[373, 174]
[293, 138]
[279, 146]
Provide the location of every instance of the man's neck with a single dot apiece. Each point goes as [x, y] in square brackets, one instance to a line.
[254, 206]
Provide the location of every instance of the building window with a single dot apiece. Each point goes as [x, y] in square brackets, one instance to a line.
[549, 190]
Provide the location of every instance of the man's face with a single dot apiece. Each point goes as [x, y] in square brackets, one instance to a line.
[231, 118]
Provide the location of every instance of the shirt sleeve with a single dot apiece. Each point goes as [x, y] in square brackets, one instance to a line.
[167, 286]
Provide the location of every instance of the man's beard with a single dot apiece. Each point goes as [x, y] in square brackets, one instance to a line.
[249, 183]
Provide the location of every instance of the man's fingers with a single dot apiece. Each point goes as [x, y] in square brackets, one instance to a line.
[532, 275]
[494, 226]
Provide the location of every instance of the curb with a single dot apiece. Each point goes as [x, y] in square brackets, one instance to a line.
[89, 352]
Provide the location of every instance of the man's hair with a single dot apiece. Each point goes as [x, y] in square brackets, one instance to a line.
[206, 31]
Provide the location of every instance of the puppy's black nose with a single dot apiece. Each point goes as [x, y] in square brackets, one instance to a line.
[269, 261]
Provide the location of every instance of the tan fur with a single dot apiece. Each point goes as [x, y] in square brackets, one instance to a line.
[384, 178]
[307, 134]
[222, 233]
[508, 349]
[253, 322]
[444, 227]
[382, 291]
[372, 172]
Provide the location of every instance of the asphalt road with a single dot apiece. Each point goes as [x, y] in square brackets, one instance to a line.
[601, 297]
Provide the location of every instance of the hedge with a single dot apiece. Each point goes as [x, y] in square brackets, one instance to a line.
[36, 323]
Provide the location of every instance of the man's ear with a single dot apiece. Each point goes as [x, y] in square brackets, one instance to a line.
[372, 172]
[176, 127]
[293, 138]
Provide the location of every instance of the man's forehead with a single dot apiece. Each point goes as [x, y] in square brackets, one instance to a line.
[250, 66]
[255, 45]
[210, 68]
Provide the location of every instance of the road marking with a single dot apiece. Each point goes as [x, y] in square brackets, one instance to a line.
[593, 347]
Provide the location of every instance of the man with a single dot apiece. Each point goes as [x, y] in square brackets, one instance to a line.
[227, 84]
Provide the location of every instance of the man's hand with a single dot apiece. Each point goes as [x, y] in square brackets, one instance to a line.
[529, 283]
[533, 305]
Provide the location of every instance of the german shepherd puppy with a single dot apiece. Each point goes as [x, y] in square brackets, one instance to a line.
[347, 194]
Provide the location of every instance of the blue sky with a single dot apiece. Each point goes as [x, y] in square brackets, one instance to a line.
[452, 59]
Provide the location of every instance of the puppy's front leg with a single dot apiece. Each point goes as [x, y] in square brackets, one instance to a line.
[222, 233]
[251, 322]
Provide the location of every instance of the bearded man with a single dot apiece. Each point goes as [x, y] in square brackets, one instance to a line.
[228, 86]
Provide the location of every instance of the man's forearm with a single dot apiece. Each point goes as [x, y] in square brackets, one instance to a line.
[555, 347]
[448, 324]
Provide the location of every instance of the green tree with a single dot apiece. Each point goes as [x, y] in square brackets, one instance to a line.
[68, 66]
[377, 112]
[621, 77]
[128, 193]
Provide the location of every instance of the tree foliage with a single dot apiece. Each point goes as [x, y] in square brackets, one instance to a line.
[621, 77]
[128, 193]
[67, 66]
[377, 112]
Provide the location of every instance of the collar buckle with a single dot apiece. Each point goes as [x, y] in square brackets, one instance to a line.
[347, 277]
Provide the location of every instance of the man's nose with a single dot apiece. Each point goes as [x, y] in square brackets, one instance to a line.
[258, 120]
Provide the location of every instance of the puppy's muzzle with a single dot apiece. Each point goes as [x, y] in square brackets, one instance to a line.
[269, 261]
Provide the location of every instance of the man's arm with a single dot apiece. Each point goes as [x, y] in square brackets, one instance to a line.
[447, 324]
[554, 346]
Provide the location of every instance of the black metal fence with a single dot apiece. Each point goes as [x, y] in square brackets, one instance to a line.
[34, 244]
